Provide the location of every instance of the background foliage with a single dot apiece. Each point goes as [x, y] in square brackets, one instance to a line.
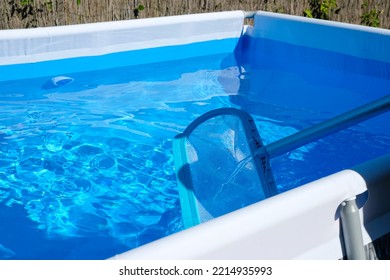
[35, 13]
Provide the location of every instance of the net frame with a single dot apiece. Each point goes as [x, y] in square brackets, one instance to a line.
[192, 210]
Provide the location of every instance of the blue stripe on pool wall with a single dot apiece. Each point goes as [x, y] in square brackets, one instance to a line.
[113, 60]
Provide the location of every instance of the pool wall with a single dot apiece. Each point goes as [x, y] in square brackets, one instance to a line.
[349, 39]
[346, 47]
[303, 223]
[30, 53]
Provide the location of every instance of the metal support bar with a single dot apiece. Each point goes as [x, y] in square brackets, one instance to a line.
[352, 230]
[250, 14]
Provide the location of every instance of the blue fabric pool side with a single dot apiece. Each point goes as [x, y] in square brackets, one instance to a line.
[272, 54]
[355, 40]
[113, 60]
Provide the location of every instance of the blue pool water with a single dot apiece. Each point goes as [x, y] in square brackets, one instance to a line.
[86, 167]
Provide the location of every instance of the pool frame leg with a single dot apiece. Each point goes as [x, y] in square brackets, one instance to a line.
[352, 230]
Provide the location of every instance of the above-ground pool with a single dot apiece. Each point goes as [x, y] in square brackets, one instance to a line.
[86, 167]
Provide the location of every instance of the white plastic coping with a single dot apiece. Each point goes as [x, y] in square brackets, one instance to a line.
[299, 224]
[350, 39]
[50, 43]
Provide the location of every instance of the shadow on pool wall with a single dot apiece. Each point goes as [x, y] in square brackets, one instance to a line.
[327, 78]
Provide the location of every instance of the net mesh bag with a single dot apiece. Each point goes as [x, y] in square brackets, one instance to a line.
[220, 169]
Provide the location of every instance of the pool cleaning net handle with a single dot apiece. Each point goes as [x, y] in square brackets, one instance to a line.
[328, 127]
